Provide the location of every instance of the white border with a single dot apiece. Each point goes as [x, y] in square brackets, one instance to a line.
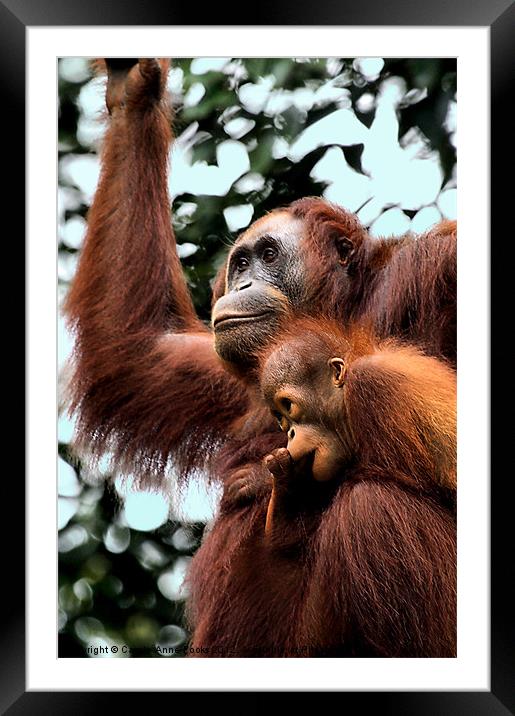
[470, 671]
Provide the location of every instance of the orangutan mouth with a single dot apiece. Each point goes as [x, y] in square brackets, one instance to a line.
[228, 320]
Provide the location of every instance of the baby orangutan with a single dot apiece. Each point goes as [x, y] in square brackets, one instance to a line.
[355, 409]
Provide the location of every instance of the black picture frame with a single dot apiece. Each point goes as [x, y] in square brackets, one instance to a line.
[499, 16]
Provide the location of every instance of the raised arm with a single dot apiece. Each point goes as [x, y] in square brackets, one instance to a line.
[146, 381]
[129, 277]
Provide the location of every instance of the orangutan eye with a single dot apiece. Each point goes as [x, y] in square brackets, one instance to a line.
[286, 403]
[242, 263]
[269, 255]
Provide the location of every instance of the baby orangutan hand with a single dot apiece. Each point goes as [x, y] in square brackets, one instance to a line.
[289, 478]
[283, 469]
[246, 484]
[296, 497]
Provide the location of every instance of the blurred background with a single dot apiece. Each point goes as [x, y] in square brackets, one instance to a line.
[377, 136]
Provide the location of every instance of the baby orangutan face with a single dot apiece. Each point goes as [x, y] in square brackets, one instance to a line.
[307, 396]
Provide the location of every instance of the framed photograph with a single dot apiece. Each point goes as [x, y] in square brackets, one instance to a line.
[391, 122]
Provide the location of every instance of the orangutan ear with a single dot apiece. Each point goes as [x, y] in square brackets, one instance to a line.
[339, 370]
[345, 248]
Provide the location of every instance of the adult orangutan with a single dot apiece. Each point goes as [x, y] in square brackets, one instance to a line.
[153, 384]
